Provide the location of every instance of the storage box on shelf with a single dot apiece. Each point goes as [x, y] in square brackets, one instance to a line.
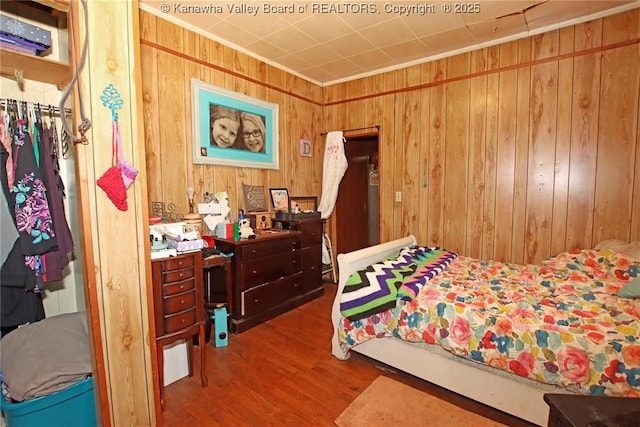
[37, 68]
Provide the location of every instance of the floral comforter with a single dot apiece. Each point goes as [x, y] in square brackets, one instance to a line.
[558, 323]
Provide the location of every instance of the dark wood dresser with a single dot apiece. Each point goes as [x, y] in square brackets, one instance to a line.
[268, 277]
[178, 305]
[571, 410]
[311, 230]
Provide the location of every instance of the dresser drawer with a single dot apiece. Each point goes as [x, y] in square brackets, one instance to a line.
[311, 259]
[311, 233]
[179, 302]
[178, 263]
[269, 295]
[178, 287]
[269, 247]
[272, 267]
[177, 275]
[178, 321]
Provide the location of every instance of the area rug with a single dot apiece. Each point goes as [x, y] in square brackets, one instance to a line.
[387, 402]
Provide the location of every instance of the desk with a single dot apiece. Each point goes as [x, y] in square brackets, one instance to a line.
[572, 410]
[209, 267]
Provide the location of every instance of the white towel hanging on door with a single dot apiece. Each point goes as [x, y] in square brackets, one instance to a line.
[335, 165]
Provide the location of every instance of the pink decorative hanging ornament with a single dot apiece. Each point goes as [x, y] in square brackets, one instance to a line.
[129, 173]
[120, 176]
[112, 184]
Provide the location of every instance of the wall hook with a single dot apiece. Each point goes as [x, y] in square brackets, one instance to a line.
[111, 98]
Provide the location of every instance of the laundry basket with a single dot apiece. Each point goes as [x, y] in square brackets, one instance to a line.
[73, 406]
[46, 368]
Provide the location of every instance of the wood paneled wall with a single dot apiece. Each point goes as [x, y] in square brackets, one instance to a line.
[171, 57]
[513, 152]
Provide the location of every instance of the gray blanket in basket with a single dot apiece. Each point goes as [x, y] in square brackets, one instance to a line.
[46, 356]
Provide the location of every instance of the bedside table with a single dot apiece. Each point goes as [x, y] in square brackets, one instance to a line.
[572, 410]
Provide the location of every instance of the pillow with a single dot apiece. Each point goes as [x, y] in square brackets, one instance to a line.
[632, 249]
[631, 289]
[610, 244]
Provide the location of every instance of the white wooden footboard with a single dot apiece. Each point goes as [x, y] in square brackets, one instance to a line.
[352, 262]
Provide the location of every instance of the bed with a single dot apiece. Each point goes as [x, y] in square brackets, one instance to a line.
[501, 334]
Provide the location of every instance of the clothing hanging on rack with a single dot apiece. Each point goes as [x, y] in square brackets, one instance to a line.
[32, 198]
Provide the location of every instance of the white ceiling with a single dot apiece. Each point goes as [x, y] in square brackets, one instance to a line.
[331, 42]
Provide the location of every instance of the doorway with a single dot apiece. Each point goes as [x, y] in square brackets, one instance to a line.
[357, 206]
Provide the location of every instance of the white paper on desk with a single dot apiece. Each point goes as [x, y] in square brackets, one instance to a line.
[214, 208]
[213, 220]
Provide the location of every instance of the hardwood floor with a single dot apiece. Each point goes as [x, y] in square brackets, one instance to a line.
[282, 373]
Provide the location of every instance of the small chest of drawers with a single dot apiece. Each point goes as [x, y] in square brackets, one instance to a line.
[268, 277]
[178, 305]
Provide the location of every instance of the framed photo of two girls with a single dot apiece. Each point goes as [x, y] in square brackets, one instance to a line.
[233, 129]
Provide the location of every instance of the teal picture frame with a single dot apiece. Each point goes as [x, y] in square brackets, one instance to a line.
[244, 110]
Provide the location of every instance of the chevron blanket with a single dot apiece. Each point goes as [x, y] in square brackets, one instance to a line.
[378, 287]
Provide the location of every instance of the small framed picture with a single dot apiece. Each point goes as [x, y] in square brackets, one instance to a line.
[279, 198]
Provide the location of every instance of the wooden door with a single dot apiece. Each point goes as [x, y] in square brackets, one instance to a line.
[352, 205]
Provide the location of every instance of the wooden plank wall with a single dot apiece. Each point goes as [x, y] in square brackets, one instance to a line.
[171, 56]
[513, 152]
[115, 245]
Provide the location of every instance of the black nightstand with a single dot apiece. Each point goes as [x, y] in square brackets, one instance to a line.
[571, 410]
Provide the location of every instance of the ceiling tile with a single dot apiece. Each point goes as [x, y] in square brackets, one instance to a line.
[341, 68]
[600, 5]
[327, 28]
[546, 14]
[349, 45]
[488, 10]
[266, 50]
[294, 62]
[387, 33]
[318, 54]
[358, 21]
[234, 34]
[407, 51]
[449, 40]
[423, 26]
[498, 28]
[259, 26]
[290, 39]
[372, 59]
[318, 74]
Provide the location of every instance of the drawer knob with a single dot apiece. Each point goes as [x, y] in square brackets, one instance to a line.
[182, 301]
[255, 300]
[254, 272]
[253, 251]
[181, 274]
[180, 263]
[183, 320]
[181, 287]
